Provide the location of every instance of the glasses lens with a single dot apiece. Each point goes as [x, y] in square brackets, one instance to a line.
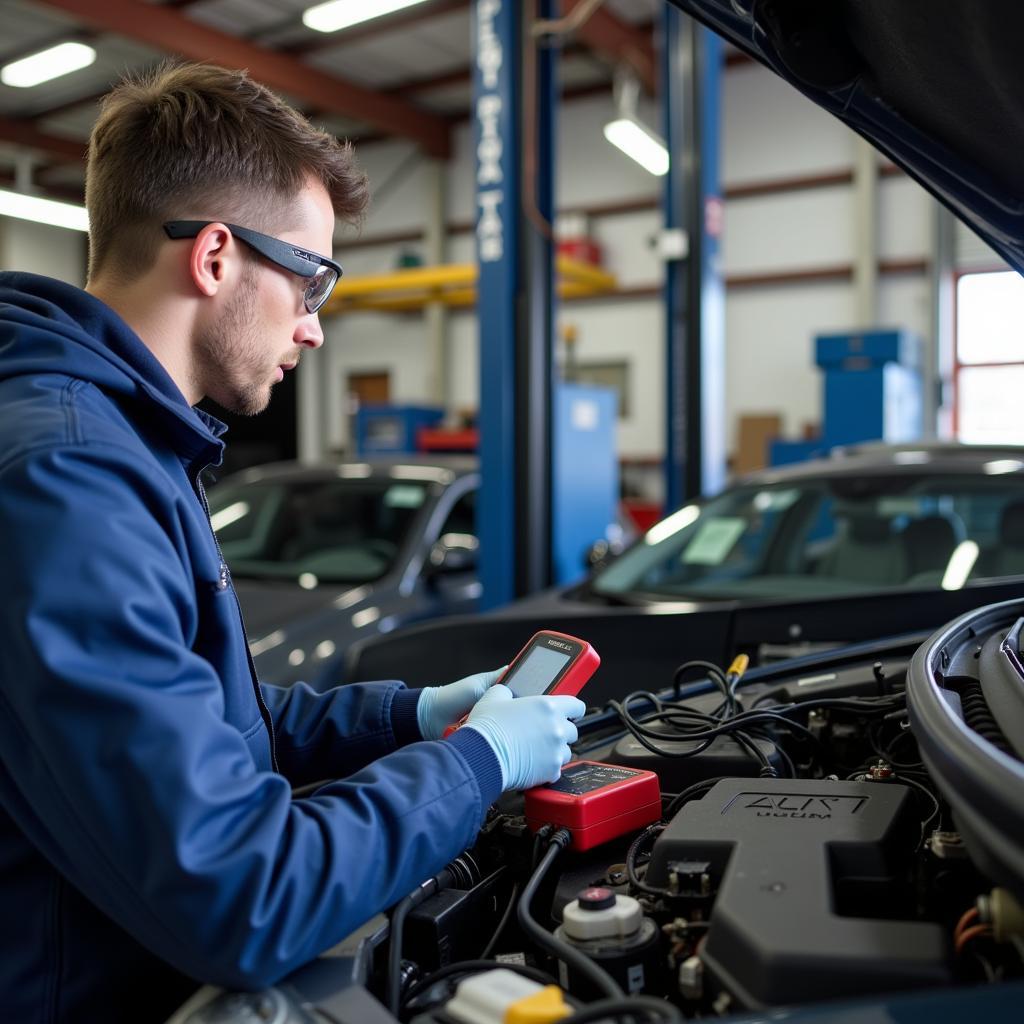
[319, 289]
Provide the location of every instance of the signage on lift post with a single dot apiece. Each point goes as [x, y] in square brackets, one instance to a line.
[490, 229]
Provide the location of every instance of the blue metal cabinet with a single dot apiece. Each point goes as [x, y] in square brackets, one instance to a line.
[392, 429]
[585, 486]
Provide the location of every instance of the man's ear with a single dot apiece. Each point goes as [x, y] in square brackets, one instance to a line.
[207, 264]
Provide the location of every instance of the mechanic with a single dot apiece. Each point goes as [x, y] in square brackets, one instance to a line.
[149, 837]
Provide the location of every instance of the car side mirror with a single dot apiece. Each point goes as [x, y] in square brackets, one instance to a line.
[601, 553]
[453, 552]
[598, 555]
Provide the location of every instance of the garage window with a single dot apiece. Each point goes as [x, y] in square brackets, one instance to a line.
[989, 368]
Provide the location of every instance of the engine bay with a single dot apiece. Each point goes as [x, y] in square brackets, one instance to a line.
[807, 843]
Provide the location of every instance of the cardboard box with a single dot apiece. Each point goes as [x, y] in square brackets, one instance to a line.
[753, 434]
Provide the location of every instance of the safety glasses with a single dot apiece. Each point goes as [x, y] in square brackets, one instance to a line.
[321, 272]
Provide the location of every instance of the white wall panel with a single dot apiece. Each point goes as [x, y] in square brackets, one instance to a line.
[798, 230]
[42, 249]
[904, 219]
[772, 131]
[903, 302]
[626, 241]
[632, 332]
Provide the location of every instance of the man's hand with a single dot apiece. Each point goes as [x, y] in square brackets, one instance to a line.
[530, 736]
[441, 706]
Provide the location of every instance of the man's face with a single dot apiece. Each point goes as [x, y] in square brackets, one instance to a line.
[264, 325]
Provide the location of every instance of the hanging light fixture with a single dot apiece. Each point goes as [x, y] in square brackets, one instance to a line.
[338, 14]
[47, 64]
[43, 211]
[629, 134]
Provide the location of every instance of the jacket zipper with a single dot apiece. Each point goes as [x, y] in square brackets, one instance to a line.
[223, 583]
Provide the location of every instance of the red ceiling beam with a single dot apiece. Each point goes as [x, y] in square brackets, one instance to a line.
[24, 133]
[173, 32]
[618, 42]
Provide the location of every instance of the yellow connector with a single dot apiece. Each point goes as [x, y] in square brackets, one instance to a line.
[543, 1007]
[739, 665]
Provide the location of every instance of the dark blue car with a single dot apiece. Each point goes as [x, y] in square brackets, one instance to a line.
[325, 555]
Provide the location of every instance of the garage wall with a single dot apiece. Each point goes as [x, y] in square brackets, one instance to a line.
[41, 249]
[769, 133]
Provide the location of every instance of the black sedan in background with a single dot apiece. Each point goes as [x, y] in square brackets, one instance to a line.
[874, 541]
[323, 555]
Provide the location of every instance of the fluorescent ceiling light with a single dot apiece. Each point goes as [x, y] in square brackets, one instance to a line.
[338, 14]
[52, 63]
[43, 211]
[639, 144]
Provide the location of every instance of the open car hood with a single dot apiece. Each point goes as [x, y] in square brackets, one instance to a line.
[937, 87]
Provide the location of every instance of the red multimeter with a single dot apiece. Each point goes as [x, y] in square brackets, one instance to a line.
[596, 802]
[551, 663]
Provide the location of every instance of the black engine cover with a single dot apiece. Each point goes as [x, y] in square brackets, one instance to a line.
[812, 889]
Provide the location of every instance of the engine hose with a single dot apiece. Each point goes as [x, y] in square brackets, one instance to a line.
[979, 717]
[569, 955]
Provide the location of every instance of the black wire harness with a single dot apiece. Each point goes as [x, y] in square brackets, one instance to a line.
[551, 944]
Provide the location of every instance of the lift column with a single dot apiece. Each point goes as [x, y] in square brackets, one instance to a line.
[691, 63]
[514, 303]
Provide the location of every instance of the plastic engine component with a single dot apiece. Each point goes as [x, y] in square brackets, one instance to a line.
[614, 932]
[499, 996]
[810, 889]
[599, 913]
[725, 757]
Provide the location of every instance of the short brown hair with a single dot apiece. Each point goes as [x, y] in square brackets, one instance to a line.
[194, 140]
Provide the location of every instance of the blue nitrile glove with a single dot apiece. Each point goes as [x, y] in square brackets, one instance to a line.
[441, 706]
[530, 736]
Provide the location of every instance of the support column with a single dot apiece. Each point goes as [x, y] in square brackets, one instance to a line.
[691, 64]
[435, 249]
[312, 425]
[513, 301]
[938, 356]
[536, 346]
[496, 133]
[865, 234]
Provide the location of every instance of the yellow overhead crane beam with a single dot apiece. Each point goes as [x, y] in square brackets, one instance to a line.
[453, 284]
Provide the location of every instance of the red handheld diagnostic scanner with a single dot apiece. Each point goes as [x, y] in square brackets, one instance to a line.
[596, 802]
[551, 663]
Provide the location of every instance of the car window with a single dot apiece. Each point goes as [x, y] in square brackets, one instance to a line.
[821, 537]
[461, 520]
[343, 530]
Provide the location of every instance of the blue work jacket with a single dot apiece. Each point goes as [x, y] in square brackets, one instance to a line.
[149, 840]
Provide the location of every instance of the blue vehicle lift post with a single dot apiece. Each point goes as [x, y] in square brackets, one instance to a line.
[691, 63]
[514, 296]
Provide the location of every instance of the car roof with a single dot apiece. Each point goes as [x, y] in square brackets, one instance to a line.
[925, 459]
[429, 469]
[937, 87]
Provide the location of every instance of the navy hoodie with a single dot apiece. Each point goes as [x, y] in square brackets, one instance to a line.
[148, 837]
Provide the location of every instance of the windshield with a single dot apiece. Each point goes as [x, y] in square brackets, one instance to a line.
[314, 531]
[829, 537]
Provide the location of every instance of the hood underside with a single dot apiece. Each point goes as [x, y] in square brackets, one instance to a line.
[936, 86]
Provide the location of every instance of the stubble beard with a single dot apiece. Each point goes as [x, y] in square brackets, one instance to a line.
[228, 356]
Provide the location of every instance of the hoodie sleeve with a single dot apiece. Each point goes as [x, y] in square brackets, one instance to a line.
[332, 734]
[118, 765]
